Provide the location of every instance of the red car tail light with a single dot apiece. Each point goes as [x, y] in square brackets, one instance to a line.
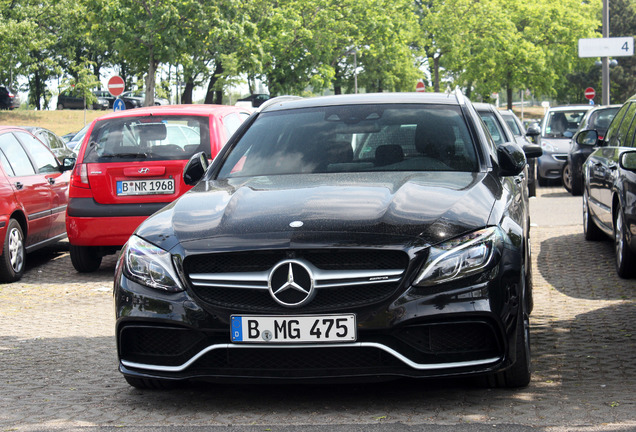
[79, 178]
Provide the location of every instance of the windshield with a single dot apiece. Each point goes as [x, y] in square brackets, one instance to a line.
[563, 124]
[601, 119]
[354, 138]
[148, 137]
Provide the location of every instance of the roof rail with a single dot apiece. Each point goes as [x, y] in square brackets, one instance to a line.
[277, 99]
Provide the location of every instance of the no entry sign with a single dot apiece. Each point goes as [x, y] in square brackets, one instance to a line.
[590, 93]
[116, 85]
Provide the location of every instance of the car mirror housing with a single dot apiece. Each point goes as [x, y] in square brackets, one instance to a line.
[587, 138]
[532, 150]
[512, 159]
[68, 163]
[195, 168]
[627, 161]
[533, 130]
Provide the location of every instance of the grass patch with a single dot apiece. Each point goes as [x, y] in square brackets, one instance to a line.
[60, 122]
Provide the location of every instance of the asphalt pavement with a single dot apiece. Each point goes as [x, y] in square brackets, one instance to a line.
[58, 365]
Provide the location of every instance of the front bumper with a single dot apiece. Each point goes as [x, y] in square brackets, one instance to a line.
[464, 330]
[549, 165]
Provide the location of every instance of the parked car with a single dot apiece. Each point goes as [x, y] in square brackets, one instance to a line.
[501, 133]
[70, 99]
[33, 198]
[137, 98]
[253, 101]
[9, 99]
[598, 118]
[609, 186]
[129, 165]
[76, 140]
[364, 236]
[53, 141]
[524, 138]
[557, 129]
[105, 94]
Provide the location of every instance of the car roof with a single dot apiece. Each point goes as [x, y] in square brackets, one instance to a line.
[201, 110]
[570, 107]
[283, 103]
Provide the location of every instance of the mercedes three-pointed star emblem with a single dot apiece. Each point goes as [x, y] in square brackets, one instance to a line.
[291, 283]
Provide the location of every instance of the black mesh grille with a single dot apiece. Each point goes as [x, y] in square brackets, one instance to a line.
[296, 362]
[160, 345]
[323, 259]
[452, 338]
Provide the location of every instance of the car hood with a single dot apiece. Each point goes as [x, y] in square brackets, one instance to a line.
[280, 211]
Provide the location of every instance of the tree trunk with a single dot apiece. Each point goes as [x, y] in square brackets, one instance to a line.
[509, 96]
[150, 80]
[186, 96]
[436, 74]
[211, 95]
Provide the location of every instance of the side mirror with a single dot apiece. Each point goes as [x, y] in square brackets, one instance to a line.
[533, 130]
[68, 164]
[587, 138]
[195, 168]
[532, 150]
[627, 161]
[512, 160]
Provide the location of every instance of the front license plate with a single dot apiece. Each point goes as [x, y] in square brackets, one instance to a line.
[294, 329]
[145, 187]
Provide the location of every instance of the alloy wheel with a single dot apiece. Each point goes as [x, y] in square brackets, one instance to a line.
[16, 250]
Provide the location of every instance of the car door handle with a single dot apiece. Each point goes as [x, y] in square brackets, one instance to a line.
[19, 185]
[612, 166]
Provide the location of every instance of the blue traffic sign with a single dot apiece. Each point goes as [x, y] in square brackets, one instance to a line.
[119, 105]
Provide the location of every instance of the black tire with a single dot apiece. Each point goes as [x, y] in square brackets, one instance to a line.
[60, 107]
[85, 259]
[625, 261]
[590, 230]
[577, 183]
[150, 383]
[566, 177]
[541, 180]
[13, 253]
[519, 374]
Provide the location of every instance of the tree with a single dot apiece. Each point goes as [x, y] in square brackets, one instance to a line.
[144, 33]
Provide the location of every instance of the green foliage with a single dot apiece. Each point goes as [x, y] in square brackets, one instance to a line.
[310, 46]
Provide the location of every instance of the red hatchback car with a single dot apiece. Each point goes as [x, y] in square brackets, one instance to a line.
[33, 198]
[130, 165]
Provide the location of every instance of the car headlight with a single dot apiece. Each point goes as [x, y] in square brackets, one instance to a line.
[546, 146]
[150, 265]
[459, 258]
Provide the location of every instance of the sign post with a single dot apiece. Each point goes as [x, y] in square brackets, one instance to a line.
[606, 47]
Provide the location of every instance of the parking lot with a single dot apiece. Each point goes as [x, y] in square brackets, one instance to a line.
[59, 369]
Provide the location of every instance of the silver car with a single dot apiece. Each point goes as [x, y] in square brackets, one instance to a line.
[557, 128]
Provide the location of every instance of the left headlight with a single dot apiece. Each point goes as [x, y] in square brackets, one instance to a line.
[150, 265]
[459, 258]
[547, 146]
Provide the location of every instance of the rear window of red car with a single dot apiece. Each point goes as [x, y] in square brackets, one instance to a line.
[148, 138]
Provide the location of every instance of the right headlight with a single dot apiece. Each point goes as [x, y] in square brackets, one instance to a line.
[150, 265]
[459, 258]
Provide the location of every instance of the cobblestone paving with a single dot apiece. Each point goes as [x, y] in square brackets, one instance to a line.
[58, 368]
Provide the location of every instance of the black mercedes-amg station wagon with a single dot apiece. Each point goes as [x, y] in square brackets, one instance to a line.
[367, 237]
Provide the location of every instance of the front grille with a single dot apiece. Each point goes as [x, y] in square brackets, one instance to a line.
[342, 278]
[253, 300]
